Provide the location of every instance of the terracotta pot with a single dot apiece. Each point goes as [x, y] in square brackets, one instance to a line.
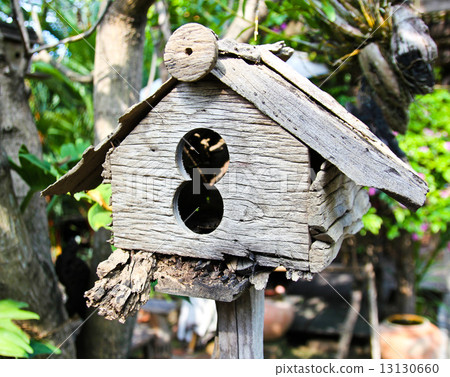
[278, 317]
[409, 336]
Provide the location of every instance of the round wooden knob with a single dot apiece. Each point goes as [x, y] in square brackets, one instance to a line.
[191, 52]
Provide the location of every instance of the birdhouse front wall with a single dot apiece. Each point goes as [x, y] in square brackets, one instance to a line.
[264, 188]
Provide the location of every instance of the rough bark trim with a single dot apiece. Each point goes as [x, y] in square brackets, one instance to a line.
[126, 278]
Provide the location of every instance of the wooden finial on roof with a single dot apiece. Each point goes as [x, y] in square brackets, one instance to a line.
[191, 52]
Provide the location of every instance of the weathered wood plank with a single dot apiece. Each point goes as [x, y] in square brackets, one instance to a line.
[322, 254]
[253, 53]
[348, 143]
[336, 206]
[331, 203]
[350, 222]
[240, 326]
[264, 190]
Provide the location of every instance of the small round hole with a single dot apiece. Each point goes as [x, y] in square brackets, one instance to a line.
[203, 153]
[200, 209]
[188, 51]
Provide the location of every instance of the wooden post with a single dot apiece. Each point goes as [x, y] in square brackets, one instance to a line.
[240, 325]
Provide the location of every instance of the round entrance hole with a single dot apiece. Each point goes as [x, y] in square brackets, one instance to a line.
[199, 208]
[203, 154]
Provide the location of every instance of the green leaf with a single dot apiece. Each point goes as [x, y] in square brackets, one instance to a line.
[99, 217]
[36, 173]
[11, 309]
[14, 341]
[10, 349]
[8, 325]
[372, 222]
[43, 348]
[329, 10]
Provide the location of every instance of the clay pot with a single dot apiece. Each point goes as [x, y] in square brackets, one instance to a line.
[409, 336]
[278, 317]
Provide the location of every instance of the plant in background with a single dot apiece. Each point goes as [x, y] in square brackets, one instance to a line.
[99, 214]
[14, 342]
[427, 145]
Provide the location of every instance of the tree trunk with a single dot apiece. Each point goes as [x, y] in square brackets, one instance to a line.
[241, 29]
[23, 274]
[16, 128]
[117, 82]
[26, 269]
[118, 62]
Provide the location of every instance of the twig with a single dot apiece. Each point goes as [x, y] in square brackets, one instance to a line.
[353, 312]
[349, 325]
[77, 37]
[18, 17]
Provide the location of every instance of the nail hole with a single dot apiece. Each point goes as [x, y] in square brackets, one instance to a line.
[188, 51]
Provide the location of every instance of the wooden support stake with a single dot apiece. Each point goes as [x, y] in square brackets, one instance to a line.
[349, 325]
[240, 326]
[373, 312]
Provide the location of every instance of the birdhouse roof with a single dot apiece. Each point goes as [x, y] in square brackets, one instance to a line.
[288, 98]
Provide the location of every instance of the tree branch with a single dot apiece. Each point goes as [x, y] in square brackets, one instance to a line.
[77, 37]
[18, 17]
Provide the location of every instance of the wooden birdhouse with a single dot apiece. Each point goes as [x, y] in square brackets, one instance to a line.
[235, 166]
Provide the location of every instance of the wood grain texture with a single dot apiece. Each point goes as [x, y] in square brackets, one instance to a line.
[264, 190]
[253, 53]
[335, 134]
[191, 52]
[336, 206]
[240, 326]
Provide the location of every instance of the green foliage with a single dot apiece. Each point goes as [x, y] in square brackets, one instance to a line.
[427, 145]
[372, 222]
[99, 214]
[36, 173]
[14, 342]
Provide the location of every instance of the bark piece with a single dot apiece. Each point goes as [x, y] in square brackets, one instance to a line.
[199, 278]
[124, 286]
[336, 206]
[191, 52]
[126, 278]
[413, 49]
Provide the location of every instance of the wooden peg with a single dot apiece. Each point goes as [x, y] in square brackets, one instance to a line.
[191, 52]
